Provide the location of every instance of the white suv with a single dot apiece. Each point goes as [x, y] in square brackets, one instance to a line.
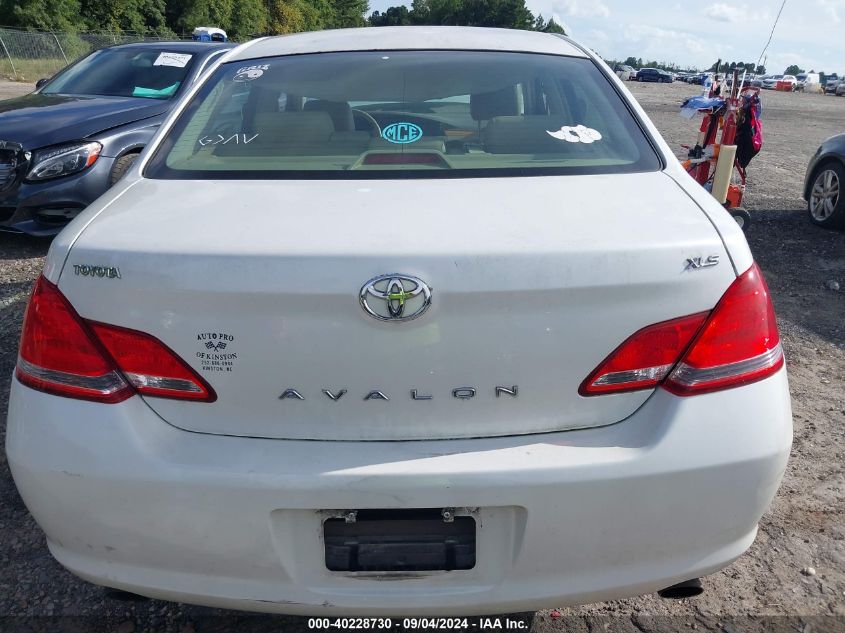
[435, 306]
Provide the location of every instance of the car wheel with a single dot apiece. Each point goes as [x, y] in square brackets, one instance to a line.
[121, 166]
[742, 217]
[826, 203]
[639, 79]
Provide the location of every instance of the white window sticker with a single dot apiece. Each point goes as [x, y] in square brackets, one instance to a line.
[172, 59]
[248, 73]
[576, 134]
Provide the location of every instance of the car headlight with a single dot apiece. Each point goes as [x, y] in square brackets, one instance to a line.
[63, 161]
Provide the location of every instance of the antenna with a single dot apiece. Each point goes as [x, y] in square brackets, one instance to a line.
[783, 4]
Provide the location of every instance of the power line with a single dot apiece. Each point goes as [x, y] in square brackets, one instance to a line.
[774, 26]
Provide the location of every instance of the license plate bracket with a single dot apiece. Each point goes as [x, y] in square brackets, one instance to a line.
[399, 541]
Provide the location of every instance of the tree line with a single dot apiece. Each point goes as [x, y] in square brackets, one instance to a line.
[748, 67]
[244, 19]
[510, 14]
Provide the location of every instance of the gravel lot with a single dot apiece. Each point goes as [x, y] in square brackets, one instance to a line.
[792, 579]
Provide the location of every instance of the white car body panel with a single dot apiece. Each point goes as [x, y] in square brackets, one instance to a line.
[532, 299]
[672, 493]
[535, 280]
[403, 38]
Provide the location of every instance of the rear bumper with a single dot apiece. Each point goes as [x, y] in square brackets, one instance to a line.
[129, 501]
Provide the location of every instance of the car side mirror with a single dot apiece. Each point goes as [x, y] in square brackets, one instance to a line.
[41, 82]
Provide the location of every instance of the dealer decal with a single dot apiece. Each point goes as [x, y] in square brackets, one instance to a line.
[234, 139]
[402, 133]
[216, 353]
[249, 73]
[576, 134]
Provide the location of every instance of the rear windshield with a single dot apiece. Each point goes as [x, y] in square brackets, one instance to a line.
[121, 72]
[402, 114]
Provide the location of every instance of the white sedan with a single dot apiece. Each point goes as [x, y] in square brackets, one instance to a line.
[626, 73]
[401, 321]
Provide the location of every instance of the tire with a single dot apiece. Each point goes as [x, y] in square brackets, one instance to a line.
[742, 217]
[826, 200]
[121, 166]
[640, 79]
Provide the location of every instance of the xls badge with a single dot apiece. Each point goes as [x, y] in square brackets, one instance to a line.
[395, 297]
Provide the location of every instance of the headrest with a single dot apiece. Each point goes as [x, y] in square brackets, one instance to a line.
[528, 135]
[486, 105]
[308, 127]
[339, 111]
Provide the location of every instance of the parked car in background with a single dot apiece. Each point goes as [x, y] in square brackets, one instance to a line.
[277, 407]
[831, 83]
[63, 145]
[789, 82]
[770, 81]
[749, 79]
[654, 74]
[625, 73]
[824, 183]
[700, 78]
[807, 82]
[840, 88]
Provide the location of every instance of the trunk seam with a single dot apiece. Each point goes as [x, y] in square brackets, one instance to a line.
[709, 219]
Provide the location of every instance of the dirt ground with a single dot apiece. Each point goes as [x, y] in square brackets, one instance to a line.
[771, 587]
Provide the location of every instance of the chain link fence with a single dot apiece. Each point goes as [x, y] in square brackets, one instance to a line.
[31, 55]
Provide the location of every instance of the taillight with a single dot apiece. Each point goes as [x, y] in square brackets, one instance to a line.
[150, 366]
[738, 345]
[58, 354]
[735, 344]
[645, 358]
[62, 354]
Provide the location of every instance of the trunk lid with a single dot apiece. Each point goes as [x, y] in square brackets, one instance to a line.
[533, 281]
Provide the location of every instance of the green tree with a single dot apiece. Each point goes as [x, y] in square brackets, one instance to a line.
[186, 15]
[285, 17]
[420, 12]
[249, 19]
[62, 15]
[554, 27]
[346, 13]
[547, 27]
[793, 70]
[510, 14]
[393, 16]
[138, 16]
[318, 14]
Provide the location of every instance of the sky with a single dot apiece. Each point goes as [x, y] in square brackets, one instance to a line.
[810, 33]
